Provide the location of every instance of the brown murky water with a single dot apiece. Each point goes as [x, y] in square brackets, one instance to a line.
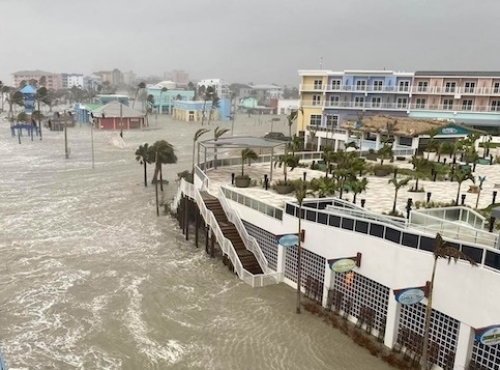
[90, 278]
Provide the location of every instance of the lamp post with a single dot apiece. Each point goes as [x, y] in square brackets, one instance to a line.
[92, 136]
[121, 120]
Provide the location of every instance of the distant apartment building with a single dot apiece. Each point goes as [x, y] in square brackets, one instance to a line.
[328, 98]
[92, 82]
[72, 79]
[220, 87]
[180, 77]
[52, 80]
[129, 78]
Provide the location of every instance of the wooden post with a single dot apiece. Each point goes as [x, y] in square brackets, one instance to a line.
[196, 225]
[186, 217]
[212, 245]
[181, 218]
[207, 230]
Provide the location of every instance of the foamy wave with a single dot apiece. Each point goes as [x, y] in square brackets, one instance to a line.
[117, 141]
[171, 351]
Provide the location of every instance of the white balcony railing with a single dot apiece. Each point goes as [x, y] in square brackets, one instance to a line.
[442, 90]
[456, 108]
[366, 105]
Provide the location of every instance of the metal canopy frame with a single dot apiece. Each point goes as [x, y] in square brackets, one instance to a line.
[240, 142]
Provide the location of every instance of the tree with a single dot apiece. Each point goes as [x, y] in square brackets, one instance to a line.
[142, 156]
[218, 132]
[324, 186]
[301, 192]
[431, 144]
[357, 187]
[207, 95]
[42, 81]
[420, 170]
[460, 176]
[14, 97]
[487, 145]
[247, 155]
[22, 117]
[196, 137]
[290, 119]
[385, 153]
[442, 249]
[215, 105]
[160, 153]
[398, 184]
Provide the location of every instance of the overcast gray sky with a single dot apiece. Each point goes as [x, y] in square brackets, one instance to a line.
[262, 41]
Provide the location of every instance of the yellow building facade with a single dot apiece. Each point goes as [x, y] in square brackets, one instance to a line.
[312, 98]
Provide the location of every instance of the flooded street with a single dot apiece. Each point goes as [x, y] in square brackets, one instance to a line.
[90, 278]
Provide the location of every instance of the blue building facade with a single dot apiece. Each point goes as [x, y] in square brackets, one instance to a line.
[165, 100]
[352, 94]
[29, 92]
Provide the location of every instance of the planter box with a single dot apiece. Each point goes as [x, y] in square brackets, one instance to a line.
[283, 189]
[381, 172]
[242, 181]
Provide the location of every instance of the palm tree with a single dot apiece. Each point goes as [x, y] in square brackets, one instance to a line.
[324, 186]
[431, 144]
[385, 153]
[140, 93]
[218, 132]
[161, 152]
[481, 179]
[328, 157]
[291, 118]
[357, 187]
[142, 156]
[14, 97]
[460, 176]
[163, 90]
[442, 249]
[487, 145]
[301, 192]
[420, 170]
[22, 117]
[207, 95]
[215, 105]
[196, 137]
[247, 155]
[398, 184]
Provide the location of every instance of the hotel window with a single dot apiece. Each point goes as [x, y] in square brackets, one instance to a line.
[318, 84]
[316, 100]
[420, 104]
[450, 87]
[402, 103]
[359, 101]
[361, 85]
[336, 85]
[469, 87]
[404, 85]
[467, 104]
[376, 102]
[333, 101]
[377, 85]
[495, 106]
[332, 120]
[422, 86]
[315, 120]
[496, 87]
[448, 104]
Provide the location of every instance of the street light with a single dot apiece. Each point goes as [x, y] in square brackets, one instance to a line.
[92, 136]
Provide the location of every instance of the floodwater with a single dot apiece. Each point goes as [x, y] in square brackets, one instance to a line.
[90, 278]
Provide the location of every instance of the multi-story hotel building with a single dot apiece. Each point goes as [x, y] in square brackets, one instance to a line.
[72, 79]
[52, 80]
[328, 97]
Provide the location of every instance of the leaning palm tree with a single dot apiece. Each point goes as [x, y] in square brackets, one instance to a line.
[357, 187]
[291, 118]
[442, 249]
[196, 137]
[218, 132]
[14, 97]
[461, 176]
[142, 156]
[215, 105]
[398, 184]
[207, 95]
[161, 152]
[301, 192]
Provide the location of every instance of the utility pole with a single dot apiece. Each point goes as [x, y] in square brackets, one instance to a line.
[92, 136]
[39, 119]
[66, 152]
[121, 120]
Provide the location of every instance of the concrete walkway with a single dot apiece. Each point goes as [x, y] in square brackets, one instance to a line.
[379, 195]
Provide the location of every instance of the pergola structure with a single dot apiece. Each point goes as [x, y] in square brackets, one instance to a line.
[240, 142]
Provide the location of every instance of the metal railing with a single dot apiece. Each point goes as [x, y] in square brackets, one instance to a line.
[259, 206]
[366, 105]
[249, 241]
[367, 215]
[203, 177]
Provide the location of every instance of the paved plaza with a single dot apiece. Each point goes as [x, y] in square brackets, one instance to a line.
[379, 195]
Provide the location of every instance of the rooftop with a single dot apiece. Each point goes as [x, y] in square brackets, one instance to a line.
[457, 74]
[401, 126]
[113, 110]
[35, 72]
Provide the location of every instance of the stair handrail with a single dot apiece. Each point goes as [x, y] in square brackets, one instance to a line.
[249, 241]
[225, 244]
